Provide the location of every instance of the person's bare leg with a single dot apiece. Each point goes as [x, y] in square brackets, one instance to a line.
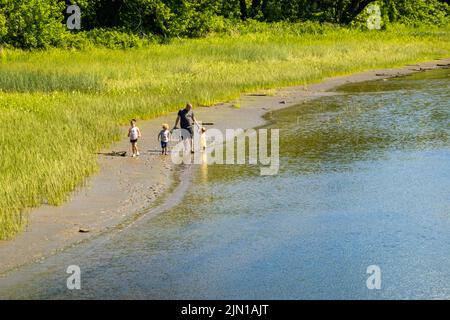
[185, 145]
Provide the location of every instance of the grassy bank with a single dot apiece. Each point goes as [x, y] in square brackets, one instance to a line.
[57, 108]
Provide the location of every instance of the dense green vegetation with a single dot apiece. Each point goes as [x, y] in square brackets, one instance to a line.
[31, 24]
[59, 106]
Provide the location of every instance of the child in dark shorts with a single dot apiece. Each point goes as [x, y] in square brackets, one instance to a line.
[134, 133]
[164, 136]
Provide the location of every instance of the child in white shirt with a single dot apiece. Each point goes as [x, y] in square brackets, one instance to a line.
[164, 136]
[134, 133]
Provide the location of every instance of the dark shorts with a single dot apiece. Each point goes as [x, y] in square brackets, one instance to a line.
[133, 141]
[163, 144]
[191, 132]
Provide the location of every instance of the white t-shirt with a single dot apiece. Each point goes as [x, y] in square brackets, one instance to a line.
[164, 134]
[134, 133]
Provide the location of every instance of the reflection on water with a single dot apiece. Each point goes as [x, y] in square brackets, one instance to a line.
[364, 180]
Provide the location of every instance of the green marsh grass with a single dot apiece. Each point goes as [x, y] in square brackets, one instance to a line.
[59, 107]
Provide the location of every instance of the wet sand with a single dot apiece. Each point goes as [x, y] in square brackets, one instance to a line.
[126, 188]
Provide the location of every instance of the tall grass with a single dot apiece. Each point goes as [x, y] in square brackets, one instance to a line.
[58, 107]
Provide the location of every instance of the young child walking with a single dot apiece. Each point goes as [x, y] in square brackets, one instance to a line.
[134, 133]
[164, 136]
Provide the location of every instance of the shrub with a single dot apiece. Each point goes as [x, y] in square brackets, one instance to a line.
[417, 12]
[115, 38]
[3, 28]
[31, 24]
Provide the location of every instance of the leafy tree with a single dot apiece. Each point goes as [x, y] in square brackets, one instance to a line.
[416, 12]
[3, 28]
[31, 23]
[40, 23]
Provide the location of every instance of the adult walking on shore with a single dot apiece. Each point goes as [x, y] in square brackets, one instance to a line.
[187, 120]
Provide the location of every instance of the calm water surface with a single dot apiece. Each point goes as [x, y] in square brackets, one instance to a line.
[364, 180]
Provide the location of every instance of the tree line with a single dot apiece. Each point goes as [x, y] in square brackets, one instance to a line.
[40, 23]
[193, 17]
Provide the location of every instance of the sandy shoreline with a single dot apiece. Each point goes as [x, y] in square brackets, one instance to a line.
[125, 188]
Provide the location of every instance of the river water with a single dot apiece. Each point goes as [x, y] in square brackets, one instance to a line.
[364, 180]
